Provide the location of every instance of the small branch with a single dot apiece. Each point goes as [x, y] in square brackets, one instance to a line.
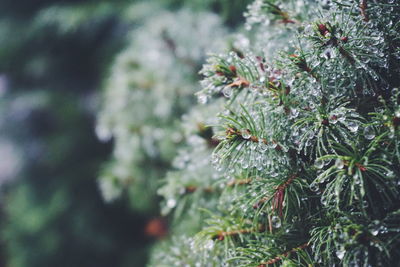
[276, 10]
[234, 132]
[301, 63]
[361, 167]
[207, 133]
[277, 197]
[192, 188]
[221, 235]
[240, 82]
[280, 257]
[346, 55]
[363, 9]
[239, 182]
[287, 183]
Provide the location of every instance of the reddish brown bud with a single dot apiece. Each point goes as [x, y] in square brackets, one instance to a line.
[361, 167]
[323, 30]
[233, 69]
[254, 138]
[190, 189]
[156, 228]
[288, 21]
[230, 131]
[261, 65]
[325, 122]
[287, 91]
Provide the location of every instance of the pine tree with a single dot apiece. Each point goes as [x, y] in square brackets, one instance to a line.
[151, 84]
[301, 164]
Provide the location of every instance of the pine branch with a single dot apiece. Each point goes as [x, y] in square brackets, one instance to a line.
[223, 234]
[239, 182]
[285, 254]
[277, 197]
[363, 10]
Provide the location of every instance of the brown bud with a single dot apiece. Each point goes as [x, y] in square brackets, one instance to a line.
[323, 30]
[156, 228]
[190, 189]
[287, 91]
[233, 69]
[325, 122]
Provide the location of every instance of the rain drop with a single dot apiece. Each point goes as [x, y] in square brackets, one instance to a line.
[227, 91]
[276, 222]
[319, 164]
[246, 133]
[353, 127]
[339, 164]
[171, 203]
[369, 132]
[340, 254]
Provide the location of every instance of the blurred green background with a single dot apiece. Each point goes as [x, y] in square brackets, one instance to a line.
[54, 57]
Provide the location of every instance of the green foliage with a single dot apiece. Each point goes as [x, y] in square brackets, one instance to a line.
[306, 138]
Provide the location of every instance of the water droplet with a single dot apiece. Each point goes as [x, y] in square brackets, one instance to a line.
[227, 91]
[246, 133]
[171, 203]
[390, 174]
[353, 127]
[262, 146]
[276, 222]
[294, 113]
[339, 164]
[333, 119]
[340, 254]
[314, 187]
[369, 132]
[319, 164]
[245, 164]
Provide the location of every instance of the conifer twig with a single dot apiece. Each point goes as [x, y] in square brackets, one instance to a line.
[280, 257]
[221, 235]
[239, 182]
[363, 8]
